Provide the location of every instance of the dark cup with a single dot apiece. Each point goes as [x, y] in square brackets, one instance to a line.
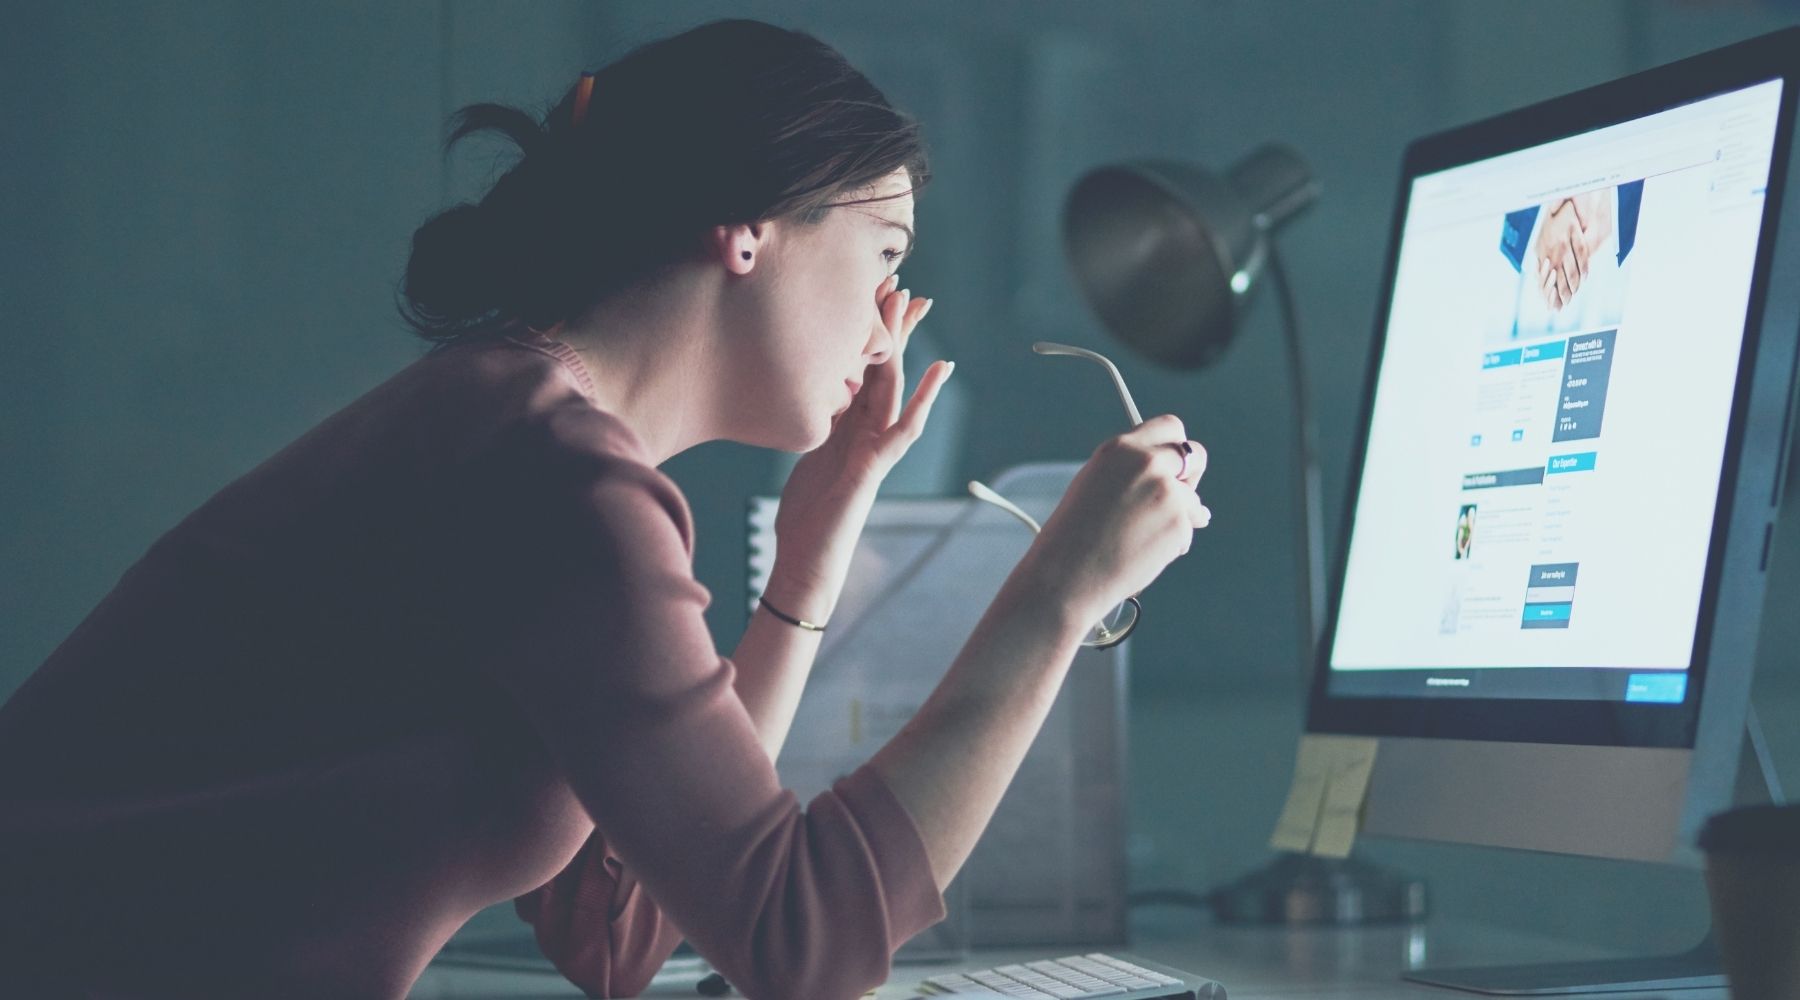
[1753, 880]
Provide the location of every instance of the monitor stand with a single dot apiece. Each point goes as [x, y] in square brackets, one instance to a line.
[1696, 968]
[1301, 889]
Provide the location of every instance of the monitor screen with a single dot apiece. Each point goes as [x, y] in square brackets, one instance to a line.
[1549, 422]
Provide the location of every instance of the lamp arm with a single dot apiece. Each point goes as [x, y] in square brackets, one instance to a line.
[1310, 552]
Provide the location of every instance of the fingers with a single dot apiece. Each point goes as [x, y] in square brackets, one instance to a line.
[1202, 513]
[1556, 254]
[1586, 220]
[900, 313]
[1182, 461]
[881, 389]
[1552, 287]
[1194, 516]
[1572, 262]
[906, 316]
[883, 382]
[1199, 514]
[880, 395]
[912, 420]
[893, 313]
[915, 311]
[1160, 430]
[1171, 453]
[1196, 464]
[1581, 218]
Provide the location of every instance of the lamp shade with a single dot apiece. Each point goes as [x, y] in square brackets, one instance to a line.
[1167, 253]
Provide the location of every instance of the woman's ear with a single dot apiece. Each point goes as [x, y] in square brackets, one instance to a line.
[738, 247]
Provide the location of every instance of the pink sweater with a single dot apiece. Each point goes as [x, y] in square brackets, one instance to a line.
[443, 650]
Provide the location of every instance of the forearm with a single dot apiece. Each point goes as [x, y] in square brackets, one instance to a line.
[950, 765]
[773, 660]
[774, 657]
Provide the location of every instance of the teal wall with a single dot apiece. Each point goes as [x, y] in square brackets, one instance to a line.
[207, 205]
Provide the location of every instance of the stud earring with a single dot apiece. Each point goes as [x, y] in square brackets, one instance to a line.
[746, 255]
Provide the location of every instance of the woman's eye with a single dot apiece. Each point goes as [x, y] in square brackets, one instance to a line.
[892, 256]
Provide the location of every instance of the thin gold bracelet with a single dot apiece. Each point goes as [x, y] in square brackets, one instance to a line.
[790, 619]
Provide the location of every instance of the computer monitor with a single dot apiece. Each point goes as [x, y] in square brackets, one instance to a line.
[1566, 481]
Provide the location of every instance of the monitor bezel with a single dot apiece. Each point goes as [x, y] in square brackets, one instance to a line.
[1593, 723]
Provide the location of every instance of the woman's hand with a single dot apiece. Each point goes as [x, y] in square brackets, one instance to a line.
[1128, 513]
[829, 493]
[870, 437]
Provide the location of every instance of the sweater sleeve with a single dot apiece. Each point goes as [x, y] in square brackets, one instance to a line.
[598, 925]
[613, 666]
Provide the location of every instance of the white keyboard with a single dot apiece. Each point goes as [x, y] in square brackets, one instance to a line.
[1077, 977]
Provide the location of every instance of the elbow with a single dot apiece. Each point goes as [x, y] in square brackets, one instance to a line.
[772, 985]
[639, 949]
[629, 981]
[783, 972]
[603, 981]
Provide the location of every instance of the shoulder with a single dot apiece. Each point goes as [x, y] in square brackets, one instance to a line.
[571, 463]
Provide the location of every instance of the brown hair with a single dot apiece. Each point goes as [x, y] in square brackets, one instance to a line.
[732, 122]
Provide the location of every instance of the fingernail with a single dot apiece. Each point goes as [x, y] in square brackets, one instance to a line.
[949, 368]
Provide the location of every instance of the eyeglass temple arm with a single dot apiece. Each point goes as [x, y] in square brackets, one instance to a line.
[1108, 637]
[1048, 347]
[982, 492]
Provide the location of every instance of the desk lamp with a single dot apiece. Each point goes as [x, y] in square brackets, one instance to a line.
[1168, 254]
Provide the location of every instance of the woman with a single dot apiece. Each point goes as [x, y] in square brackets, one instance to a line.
[446, 648]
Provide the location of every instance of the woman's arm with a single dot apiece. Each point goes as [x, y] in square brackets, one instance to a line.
[951, 763]
[1121, 521]
[611, 664]
[774, 659]
[824, 506]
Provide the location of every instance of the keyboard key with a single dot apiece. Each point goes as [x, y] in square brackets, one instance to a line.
[1073, 977]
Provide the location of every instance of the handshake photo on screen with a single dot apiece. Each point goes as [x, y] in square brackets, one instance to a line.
[1570, 255]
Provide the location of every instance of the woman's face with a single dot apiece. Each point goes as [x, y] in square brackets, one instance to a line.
[815, 323]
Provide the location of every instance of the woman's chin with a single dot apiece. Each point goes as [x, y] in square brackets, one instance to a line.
[804, 437]
[797, 430]
[817, 436]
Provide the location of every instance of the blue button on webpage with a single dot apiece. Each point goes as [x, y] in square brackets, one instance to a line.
[1542, 352]
[1582, 462]
[1666, 689]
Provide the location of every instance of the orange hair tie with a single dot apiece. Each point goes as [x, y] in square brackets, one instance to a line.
[584, 89]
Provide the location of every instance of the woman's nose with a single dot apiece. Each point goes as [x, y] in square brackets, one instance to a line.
[880, 344]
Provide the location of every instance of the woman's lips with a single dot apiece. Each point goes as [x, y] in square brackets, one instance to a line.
[854, 388]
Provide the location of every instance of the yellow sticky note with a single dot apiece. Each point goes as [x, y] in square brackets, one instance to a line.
[1340, 818]
[1300, 816]
[1325, 803]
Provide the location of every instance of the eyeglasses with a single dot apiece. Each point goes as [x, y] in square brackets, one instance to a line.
[1122, 620]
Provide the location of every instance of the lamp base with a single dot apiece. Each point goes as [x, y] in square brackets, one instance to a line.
[1307, 889]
